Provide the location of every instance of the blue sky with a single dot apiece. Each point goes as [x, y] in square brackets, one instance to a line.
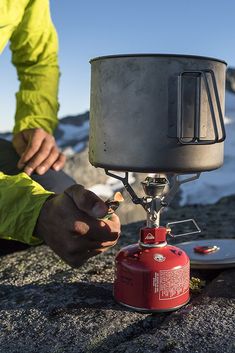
[97, 27]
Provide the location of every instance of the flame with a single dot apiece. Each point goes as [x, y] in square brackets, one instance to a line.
[118, 197]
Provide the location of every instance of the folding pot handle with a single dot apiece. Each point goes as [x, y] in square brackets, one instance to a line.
[197, 138]
[193, 231]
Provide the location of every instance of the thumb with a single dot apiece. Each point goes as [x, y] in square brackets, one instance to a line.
[87, 201]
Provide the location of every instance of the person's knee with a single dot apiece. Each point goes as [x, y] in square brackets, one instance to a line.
[54, 181]
[8, 158]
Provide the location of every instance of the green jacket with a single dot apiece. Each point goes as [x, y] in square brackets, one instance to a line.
[34, 45]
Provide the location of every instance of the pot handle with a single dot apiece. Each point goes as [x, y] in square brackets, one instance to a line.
[197, 140]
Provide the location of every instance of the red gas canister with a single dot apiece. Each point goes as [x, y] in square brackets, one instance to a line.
[151, 275]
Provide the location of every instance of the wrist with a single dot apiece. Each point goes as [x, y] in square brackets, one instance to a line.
[43, 218]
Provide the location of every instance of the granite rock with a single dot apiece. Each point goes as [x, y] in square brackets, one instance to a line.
[47, 307]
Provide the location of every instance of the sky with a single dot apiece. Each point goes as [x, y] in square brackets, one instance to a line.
[93, 28]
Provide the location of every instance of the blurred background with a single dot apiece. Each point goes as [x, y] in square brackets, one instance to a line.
[93, 28]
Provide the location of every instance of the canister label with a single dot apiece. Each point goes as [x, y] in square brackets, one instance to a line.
[170, 284]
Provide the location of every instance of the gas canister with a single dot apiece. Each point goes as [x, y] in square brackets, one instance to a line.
[152, 276]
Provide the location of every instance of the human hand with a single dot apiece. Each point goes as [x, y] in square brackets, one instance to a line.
[70, 224]
[38, 151]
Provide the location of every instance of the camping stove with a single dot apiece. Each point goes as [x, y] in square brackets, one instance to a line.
[152, 276]
[157, 113]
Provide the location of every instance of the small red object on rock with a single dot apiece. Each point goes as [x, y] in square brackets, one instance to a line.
[206, 249]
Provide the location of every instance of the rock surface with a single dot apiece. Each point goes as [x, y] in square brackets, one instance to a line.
[47, 307]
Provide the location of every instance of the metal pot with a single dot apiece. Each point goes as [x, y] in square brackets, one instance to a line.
[157, 113]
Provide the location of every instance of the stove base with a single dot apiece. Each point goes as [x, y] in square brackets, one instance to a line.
[143, 310]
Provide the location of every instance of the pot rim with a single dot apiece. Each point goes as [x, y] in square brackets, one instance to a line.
[156, 55]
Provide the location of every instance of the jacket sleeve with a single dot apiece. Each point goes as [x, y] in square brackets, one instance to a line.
[21, 200]
[34, 48]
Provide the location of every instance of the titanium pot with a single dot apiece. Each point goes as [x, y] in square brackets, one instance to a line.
[157, 113]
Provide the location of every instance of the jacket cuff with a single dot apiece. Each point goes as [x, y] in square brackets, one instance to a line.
[33, 122]
[22, 200]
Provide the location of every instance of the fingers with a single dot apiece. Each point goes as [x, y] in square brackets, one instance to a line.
[114, 219]
[87, 201]
[43, 159]
[97, 231]
[41, 153]
[49, 161]
[84, 235]
[106, 230]
[93, 207]
[35, 140]
[60, 162]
